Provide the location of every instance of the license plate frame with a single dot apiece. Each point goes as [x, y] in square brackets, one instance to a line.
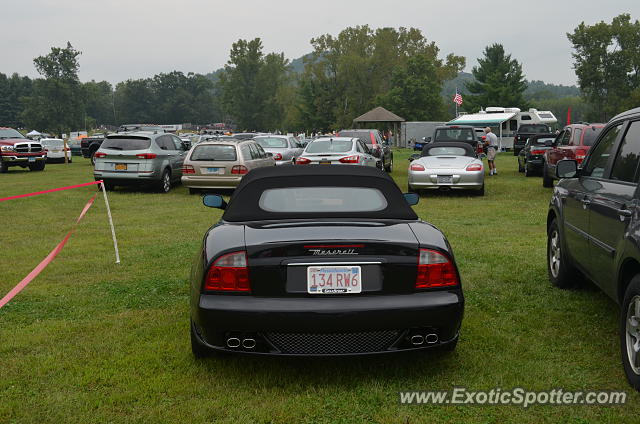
[445, 179]
[331, 279]
[211, 170]
[324, 162]
[120, 166]
[32, 159]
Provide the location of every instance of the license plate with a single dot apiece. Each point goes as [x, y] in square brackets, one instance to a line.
[325, 162]
[334, 279]
[121, 166]
[32, 159]
[445, 179]
[216, 171]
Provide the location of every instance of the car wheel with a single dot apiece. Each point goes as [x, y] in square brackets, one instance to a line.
[389, 168]
[93, 158]
[527, 171]
[561, 273]
[164, 185]
[197, 348]
[3, 168]
[630, 332]
[515, 152]
[546, 180]
[520, 167]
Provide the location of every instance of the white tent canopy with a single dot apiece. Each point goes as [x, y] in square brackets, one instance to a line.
[33, 133]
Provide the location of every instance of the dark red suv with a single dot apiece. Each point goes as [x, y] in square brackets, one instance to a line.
[573, 142]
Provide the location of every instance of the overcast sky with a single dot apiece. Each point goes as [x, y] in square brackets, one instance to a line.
[138, 38]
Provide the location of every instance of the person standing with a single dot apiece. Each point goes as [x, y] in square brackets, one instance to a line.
[491, 141]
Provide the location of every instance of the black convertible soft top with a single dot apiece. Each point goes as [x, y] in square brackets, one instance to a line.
[244, 206]
[468, 148]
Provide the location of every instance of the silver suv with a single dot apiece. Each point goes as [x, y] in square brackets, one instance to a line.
[140, 158]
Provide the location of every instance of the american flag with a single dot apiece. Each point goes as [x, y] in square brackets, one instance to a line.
[457, 98]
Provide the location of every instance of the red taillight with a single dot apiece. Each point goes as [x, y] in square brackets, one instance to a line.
[484, 137]
[474, 167]
[100, 155]
[580, 155]
[417, 167]
[188, 169]
[350, 159]
[146, 156]
[239, 170]
[277, 156]
[537, 152]
[229, 273]
[302, 161]
[435, 270]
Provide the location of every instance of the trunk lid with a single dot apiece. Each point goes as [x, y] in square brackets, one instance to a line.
[280, 253]
[447, 162]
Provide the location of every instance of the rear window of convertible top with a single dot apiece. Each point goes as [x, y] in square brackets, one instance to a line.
[322, 199]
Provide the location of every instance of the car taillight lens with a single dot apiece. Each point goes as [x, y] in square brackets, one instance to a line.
[417, 167]
[580, 155]
[435, 270]
[474, 167]
[302, 161]
[100, 155]
[277, 156]
[350, 159]
[146, 156]
[537, 152]
[188, 169]
[239, 170]
[229, 273]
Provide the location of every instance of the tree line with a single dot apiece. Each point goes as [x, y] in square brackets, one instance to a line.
[344, 76]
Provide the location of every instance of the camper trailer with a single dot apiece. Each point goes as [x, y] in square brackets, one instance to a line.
[505, 121]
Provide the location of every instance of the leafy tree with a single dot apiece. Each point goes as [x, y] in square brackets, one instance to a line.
[12, 89]
[99, 103]
[56, 100]
[498, 81]
[607, 64]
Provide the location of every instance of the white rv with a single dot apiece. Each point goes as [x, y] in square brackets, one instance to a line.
[505, 121]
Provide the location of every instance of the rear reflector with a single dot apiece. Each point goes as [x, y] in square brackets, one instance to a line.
[302, 161]
[417, 167]
[239, 170]
[229, 273]
[435, 270]
[474, 167]
[580, 155]
[350, 159]
[100, 155]
[188, 169]
[146, 155]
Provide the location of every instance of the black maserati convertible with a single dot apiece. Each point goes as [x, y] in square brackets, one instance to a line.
[322, 260]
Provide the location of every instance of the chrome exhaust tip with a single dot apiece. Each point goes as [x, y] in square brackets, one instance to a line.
[417, 340]
[233, 342]
[431, 338]
[248, 343]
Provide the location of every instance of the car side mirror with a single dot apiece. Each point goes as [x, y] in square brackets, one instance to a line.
[214, 201]
[269, 154]
[411, 198]
[567, 168]
[428, 140]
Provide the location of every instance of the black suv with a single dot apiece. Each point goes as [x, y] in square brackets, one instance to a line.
[378, 146]
[524, 132]
[463, 133]
[593, 227]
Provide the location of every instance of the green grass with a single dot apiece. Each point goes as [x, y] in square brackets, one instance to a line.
[92, 341]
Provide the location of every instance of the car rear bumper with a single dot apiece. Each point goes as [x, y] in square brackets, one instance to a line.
[429, 180]
[125, 177]
[362, 324]
[210, 181]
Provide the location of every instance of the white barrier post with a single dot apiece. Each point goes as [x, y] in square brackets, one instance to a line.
[113, 231]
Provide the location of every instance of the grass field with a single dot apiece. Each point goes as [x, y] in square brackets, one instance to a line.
[92, 341]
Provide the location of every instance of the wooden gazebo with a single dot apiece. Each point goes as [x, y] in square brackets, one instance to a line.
[381, 114]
